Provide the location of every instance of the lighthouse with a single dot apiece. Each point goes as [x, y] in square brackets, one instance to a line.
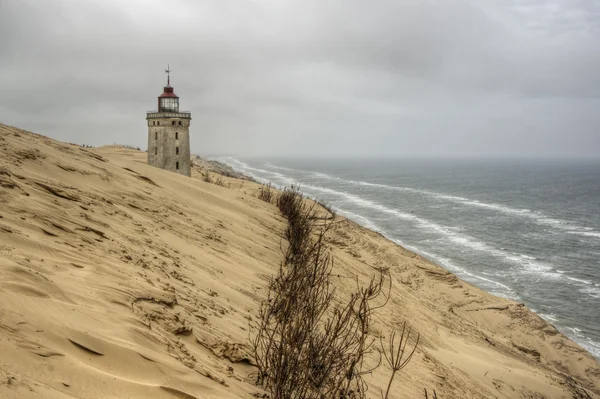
[169, 133]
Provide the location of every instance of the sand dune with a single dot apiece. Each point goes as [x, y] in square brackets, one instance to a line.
[120, 280]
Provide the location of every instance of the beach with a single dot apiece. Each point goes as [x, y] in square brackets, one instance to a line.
[118, 279]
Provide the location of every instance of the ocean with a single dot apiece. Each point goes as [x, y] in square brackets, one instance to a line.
[528, 230]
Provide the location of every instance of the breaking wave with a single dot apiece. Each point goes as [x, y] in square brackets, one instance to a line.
[371, 211]
[533, 215]
[528, 264]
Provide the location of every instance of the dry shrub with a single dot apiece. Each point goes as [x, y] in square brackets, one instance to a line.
[308, 343]
[219, 181]
[265, 193]
[207, 178]
[290, 203]
[327, 207]
[300, 216]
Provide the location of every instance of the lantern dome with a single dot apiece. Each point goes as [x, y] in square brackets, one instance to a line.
[168, 93]
[168, 101]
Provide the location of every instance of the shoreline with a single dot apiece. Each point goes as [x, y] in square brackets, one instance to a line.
[565, 329]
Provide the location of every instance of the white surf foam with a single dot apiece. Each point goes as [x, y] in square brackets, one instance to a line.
[505, 291]
[530, 264]
[282, 168]
[534, 215]
[245, 166]
[528, 257]
[595, 234]
[594, 292]
[447, 232]
[276, 178]
[363, 221]
[549, 317]
[453, 198]
[579, 280]
[587, 343]
[326, 176]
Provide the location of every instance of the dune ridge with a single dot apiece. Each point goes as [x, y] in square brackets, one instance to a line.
[118, 279]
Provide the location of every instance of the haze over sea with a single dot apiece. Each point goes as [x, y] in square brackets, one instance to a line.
[528, 230]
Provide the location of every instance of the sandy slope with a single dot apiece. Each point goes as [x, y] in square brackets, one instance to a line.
[119, 280]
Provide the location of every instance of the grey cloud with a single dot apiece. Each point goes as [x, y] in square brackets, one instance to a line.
[432, 78]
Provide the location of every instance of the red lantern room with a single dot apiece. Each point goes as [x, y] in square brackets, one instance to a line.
[168, 101]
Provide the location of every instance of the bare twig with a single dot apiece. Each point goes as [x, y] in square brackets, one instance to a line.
[394, 355]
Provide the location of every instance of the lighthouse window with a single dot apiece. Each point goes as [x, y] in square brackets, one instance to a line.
[158, 123]
[155, 135]
[176, 135]
[177, 165]
[176, 150]
[155, 150]
[154, 123]
[179, 123]
[173, 122]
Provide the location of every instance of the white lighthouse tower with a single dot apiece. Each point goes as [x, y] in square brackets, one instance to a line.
[169, 133]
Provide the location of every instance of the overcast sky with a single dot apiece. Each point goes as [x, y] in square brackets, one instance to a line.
[311, 77]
